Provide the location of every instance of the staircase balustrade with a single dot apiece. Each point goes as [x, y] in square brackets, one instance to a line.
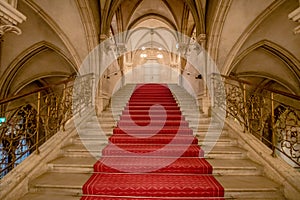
[271, 115]
[28, 120]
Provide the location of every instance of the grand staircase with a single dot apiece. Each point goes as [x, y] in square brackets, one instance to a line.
[240, 177]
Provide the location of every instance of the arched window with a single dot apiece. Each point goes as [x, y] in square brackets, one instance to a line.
[17, 137]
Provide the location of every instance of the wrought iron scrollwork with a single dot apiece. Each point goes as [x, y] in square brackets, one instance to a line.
[17, 136]
[33, 118]
[267, 117]
[287, 127]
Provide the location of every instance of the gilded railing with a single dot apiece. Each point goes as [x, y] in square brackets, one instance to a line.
[28, 120]
[272, 116]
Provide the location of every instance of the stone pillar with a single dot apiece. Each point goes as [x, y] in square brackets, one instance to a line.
[99, 104]
[204, 99]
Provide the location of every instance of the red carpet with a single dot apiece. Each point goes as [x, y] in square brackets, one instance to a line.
[152, 154]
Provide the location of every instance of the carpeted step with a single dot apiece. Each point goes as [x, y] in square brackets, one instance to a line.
[148, 198]
[134, 107]
[177, 123]
[193, 165]
[153, 112]
[153, 117]
[152, 129]
[153, 150]
[152, 136]
[153, 185]
[155, 139]
[150, 103]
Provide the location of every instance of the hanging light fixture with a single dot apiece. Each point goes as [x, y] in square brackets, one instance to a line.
[159, 55]
[143, 55]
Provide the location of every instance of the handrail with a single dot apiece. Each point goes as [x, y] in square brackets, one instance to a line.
[69, 79]
[271, 115]
[260, 87]
[34, 117]
[8, 99]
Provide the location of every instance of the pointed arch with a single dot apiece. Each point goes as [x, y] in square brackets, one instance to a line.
[152, 16]
[17, 64]
[289, 65]
[284, 55]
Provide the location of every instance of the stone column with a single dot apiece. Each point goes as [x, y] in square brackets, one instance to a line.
[99, 105]
[204, 99]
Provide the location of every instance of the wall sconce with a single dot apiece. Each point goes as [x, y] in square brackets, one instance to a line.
[109, 75]
[199, 76]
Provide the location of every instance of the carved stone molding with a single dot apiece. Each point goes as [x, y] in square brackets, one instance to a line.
[295, 16]
[201, 37]
[10, 17]
[9, 28]
[103, 37]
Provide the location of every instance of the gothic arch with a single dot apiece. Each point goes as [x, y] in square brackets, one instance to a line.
[51, 22]
[290, 63]
[25, 56]
[249, 30]
[152, 16]
[275, 49]
[198, 15]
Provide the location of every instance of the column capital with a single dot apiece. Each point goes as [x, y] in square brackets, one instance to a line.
[10, 15]
[201, 37]
[9, 29]
[10, 18]
[103, 37]
[295, 16]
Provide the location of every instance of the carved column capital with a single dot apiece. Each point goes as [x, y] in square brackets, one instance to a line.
[103, 37]
[9, 28]
[295, 16]
[201, 37]
[10, 17]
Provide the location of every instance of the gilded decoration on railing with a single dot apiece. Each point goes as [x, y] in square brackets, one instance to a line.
[264, 113]
[287, 128]
[28, 120]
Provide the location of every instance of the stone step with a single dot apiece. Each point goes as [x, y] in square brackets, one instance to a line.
[72, 165]
[220, 167]
[249, 187]
[97, 124]
[49, 196]
[79, 150]
[196, 132]
[192, 124]
[212, 134]
[221, 141]
[235, 167]
[60, 183]
[91, 140]
[225, 152]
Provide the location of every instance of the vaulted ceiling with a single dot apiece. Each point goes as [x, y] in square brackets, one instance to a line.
[235, 33]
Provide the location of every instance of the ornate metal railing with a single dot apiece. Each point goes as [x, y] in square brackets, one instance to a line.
[272, 116]
[28, 120]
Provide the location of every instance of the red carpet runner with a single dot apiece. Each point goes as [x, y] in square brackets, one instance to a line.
[152, 154]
